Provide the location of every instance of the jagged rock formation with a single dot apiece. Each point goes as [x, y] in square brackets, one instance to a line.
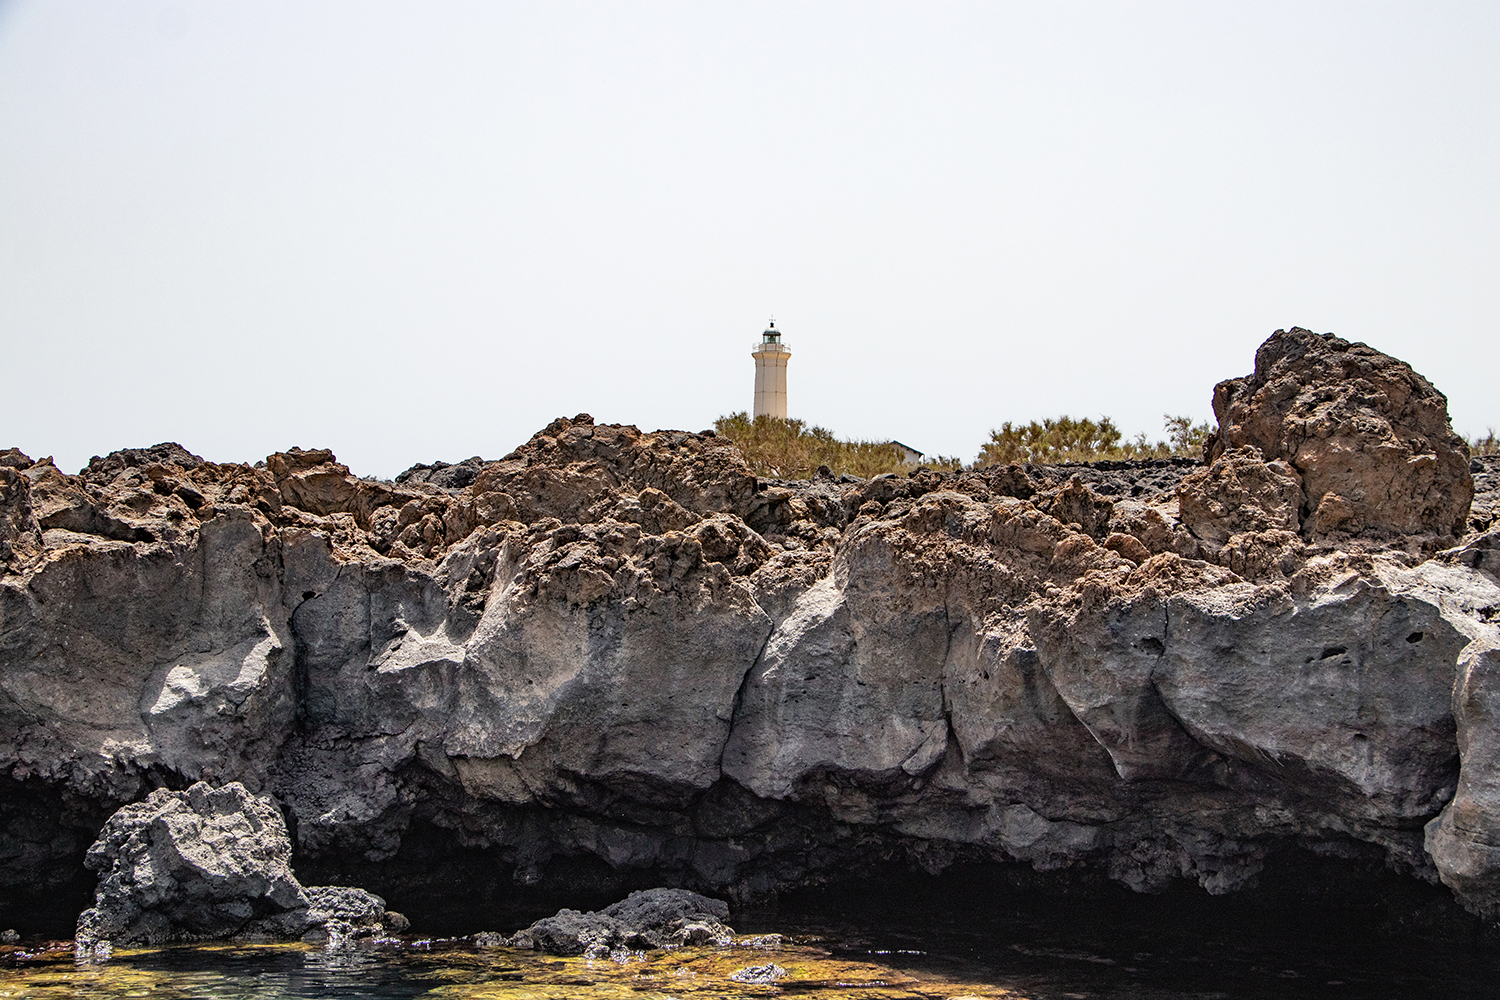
[1484, 512]
[1369, 436]
[650, 918]
[210, 863]
[622, 646]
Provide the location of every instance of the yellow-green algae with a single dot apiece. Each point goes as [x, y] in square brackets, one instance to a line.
[461, 973]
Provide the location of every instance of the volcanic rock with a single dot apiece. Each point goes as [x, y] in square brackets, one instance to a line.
[1368, 435]
[1240, 492]
[209, 863]
[1484, 512]
[649, 918]
[20, 535]
[339, 914]
[619, 653]
[167, 454]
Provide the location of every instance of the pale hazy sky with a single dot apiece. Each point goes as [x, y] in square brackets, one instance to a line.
[420, 231]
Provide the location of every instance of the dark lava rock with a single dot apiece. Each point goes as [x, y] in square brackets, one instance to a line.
[650, 918]
[446, 475]
[103, 470]
[211, 863]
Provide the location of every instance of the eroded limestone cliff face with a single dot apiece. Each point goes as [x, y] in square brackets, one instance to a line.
[621, 645]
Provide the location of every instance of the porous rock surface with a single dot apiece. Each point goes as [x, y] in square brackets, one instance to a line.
[1368, 435]
[210, 863]
[649, 918]
[622, 646]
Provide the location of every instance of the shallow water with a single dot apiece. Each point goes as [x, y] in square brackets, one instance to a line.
[1312, 932]
[872, 967]
[1324, 932]
[457, 972]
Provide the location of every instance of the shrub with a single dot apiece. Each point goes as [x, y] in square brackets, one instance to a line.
[785, 448]
[1186, 437]
[1064, 439]
[1486, 445]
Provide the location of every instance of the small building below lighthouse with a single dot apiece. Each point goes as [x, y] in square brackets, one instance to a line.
[770, 373]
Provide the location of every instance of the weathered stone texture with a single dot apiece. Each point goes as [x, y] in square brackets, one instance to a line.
[1240, 492]
[204, 864]
[1369, 436]
[649, 918]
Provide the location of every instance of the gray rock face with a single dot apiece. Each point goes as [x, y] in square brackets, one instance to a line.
[209, 863]
[845, 683]
[620, 646]
[1463, 840]
[1352, 688]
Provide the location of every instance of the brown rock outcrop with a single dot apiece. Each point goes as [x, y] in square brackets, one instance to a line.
[105, 469]
[1240, 492]
[20, 535]
[1368, 435]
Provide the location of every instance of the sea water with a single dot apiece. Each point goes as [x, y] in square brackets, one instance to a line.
[1325, 932]
[878, 965]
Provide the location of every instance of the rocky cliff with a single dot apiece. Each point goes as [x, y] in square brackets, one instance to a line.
[622, 646]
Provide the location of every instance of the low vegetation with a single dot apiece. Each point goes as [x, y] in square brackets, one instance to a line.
[790, 449]
[1064, 439]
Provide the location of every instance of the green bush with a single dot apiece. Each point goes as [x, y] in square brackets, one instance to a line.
[1064, 439]
[789, 449]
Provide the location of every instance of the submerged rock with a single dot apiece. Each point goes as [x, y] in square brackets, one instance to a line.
[759, 975]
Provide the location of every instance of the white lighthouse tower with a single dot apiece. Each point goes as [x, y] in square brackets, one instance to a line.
[770, 373]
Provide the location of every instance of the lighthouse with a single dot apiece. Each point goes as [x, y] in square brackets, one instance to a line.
[770, 373]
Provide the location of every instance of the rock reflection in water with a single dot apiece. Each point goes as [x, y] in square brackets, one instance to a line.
[217, 971]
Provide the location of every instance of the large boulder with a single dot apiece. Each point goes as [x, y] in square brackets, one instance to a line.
[210, 863]
[1369, 436]
[340, 914]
